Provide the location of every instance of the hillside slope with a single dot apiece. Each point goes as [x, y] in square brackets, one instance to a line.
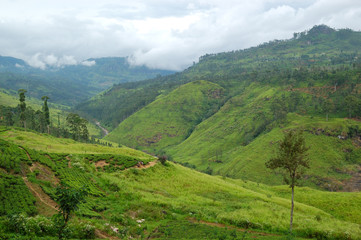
[160, 202]
[319, 48]
[169, 119]
[311, 82]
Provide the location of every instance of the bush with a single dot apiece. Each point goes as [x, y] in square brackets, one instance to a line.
[163, 159]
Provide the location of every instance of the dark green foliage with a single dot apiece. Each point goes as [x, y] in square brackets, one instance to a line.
[68, 200]
[291, 157]
[22, 106]
[162, 159]
[11, 157]
[46, 111]
[77, 127]
[15, 196]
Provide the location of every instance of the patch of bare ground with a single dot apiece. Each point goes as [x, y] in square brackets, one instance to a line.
[104, 235]
[140, 165]
[101, 164]
[44, 173]
[69, 161]
[221, 225]
[144, 166]
[353, 184]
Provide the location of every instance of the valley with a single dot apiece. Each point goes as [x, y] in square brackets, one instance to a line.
[158, 154]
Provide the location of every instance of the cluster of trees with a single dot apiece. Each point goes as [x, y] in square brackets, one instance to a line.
[39, 120]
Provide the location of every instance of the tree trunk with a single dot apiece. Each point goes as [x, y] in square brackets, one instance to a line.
[292, 205]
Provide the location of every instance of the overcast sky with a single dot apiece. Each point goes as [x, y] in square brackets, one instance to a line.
[167, 34]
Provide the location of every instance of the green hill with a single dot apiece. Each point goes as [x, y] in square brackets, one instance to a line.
[171, 118]
[280, 62]
[159, 202]
[311, 82]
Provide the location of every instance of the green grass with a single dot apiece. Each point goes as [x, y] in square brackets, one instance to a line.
[236, 142]
[172, 199]
[227, 201]
[169, 119]
[47, 143]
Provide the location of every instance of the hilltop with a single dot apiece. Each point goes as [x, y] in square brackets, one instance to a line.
[159, 202]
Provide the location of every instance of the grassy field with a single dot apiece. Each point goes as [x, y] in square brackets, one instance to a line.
[47, 143]
[174, 202]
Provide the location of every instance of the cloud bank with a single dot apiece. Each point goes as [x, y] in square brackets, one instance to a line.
[157, 33]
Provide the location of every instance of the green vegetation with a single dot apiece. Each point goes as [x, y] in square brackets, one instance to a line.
[15, 196]
[292, 159]
[71, 84]
[310, 83]
[169, 201]
[169, 119]
[9, 102]
[224, 116]
[68, 200]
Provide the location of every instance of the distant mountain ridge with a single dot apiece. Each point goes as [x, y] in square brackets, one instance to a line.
[72, 83]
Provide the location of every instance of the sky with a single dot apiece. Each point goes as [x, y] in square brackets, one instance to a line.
[164, 34]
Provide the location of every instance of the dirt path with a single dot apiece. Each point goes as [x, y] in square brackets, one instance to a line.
[69, 161]
[44, 198]
[26, 152]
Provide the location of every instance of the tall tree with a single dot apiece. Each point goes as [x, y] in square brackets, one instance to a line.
[292, 159]
[46, 112]
[77, 126]
[327, 107]
[351, 103]
[22, 106]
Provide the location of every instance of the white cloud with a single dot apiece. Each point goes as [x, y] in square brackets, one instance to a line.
[157, 33]
[43, 61]
[88, 63]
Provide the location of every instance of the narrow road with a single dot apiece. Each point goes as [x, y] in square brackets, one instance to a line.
[104, 131]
